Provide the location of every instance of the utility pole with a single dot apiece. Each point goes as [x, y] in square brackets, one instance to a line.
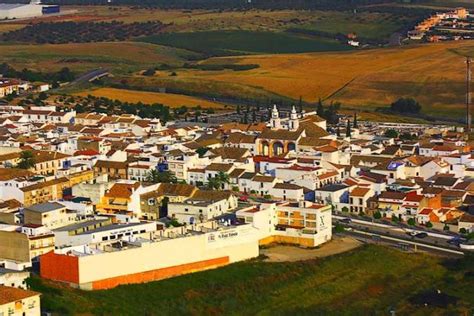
[468, 94]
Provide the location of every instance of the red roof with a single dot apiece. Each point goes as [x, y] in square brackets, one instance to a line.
[426, 211]
[86, 152]
[302, 168]
[413, 197]
[271, 159]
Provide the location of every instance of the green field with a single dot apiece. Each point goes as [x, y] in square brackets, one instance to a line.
[224, 43]
[367, 25]
[366, 281]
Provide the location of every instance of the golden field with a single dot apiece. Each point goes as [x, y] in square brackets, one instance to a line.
[431, 73]
[133, 96]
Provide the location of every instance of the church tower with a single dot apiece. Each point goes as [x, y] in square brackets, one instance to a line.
[275, 120]
[294, 122]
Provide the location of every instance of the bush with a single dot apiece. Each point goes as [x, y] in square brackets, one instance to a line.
[391, 133]
[411, 222]
[149, 72]
[394, 218]
[253, 191]
[235, 189]
[345, 209]
[463, 231]
[446, 227]
[406, 105]
[429, 224]
[377, 215]
[267, 197]
[339, 228]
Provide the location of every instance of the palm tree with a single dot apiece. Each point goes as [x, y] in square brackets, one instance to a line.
[155, 176]
[218, 181]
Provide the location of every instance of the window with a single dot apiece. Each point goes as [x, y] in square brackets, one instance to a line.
[105, 238]
[186, 210]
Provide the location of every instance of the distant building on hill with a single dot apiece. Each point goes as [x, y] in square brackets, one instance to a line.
[10, 11]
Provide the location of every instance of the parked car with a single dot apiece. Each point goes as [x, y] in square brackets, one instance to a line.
[421, 235]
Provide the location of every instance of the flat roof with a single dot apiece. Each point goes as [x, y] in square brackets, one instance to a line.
[45, 207]
[112, 227]
[81, 225]
[9, 6]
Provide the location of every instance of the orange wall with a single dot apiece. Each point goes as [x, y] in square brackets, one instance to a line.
[59, 267]
[159, 274]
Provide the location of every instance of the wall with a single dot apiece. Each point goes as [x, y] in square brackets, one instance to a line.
[59, 267]
[163, 254]
[14, 246]
[154, 260]
[29, 307]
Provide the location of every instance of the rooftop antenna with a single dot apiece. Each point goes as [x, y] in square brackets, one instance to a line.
[468, 94]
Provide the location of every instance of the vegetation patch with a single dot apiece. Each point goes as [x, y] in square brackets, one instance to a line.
[225, 43]
[168, 99]
[81, 32]
[368, 280]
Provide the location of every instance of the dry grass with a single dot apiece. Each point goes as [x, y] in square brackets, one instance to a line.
[205, 20]
[7, 27]
[119, 56]
[433, 74]
[171, 100]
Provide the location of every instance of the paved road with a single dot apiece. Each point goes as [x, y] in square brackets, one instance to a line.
[434, 242]
[96, 73]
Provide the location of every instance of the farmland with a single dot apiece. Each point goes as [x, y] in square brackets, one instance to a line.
[221, 43]
[171, 100]
[368, 280]
[119, 57]
[433, 74]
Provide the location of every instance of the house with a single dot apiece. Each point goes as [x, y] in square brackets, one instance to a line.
[305, 224]
[113, 169]
[117, 199]
[10, 212]
[466, 223]
[390, 203]
[333, 194]
[51, 215]
[262, 185]
[43, 191]
[14, 278]
[358, 198]
[18, 249]
[426, 215]
[288, 192]
[14, 301]
[153, 203]
[139, 171]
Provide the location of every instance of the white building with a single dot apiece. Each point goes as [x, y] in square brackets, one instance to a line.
[20, 11]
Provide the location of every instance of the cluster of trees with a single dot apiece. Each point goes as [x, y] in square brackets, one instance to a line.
[81, 32]
[406, 105]
[106, 105]
[27, 160]
[218, 182]
[216, 67]
[329, 113]
[63, 75]
[232, 4]
[155, 176]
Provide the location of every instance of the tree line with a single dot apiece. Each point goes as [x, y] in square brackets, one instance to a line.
[106, 105]
[63, 75]
[232, 4]
[81, 32]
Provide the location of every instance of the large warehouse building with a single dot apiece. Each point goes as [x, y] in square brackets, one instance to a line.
[20, 11]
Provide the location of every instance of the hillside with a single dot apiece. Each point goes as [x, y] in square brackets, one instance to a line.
[369, 280]
[431, 73]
